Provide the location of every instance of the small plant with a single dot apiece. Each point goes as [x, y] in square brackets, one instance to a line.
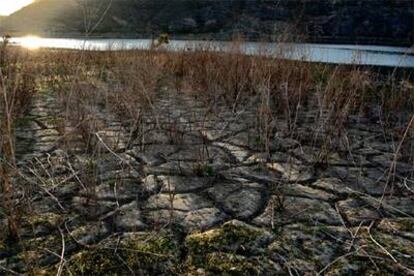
[204, 170]
[162, 39]
[3, 48]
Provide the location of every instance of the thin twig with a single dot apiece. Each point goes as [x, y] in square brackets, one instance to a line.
[378, 244]
[393, 165]
[62, 255]
[9, 270]
[338, 259]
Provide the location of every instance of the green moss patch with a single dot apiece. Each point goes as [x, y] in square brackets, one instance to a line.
[397, 225]
[231, 264]
[401, 249]
[309, 248]
[361, 265]
[47, 219]
[96, 262]
[150, 253]
[233, 239]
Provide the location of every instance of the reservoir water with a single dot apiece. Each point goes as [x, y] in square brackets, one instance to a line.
[326, 53]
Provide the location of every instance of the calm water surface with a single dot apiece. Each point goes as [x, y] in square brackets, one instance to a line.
[328, 53]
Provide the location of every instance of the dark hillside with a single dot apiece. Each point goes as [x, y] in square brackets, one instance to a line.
[347, 21]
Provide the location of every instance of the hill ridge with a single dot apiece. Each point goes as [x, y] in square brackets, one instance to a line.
[338, 21]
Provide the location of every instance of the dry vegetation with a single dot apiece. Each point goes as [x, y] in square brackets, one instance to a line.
[93, 89]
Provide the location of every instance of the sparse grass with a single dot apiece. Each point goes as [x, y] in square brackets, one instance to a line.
[17, 87]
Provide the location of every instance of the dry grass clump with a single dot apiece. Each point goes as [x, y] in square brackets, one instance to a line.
[128, 83]
[135, 78]
[293, 90]
[138, 77]
[236, 77]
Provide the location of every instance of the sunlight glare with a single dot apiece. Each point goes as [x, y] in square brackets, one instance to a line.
[8, 7]
[31, 42]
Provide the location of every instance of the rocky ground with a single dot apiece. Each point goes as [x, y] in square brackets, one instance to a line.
[197, 195]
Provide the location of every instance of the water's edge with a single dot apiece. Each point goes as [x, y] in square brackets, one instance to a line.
[327, 53]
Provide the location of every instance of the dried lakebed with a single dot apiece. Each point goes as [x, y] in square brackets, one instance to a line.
[196, 195]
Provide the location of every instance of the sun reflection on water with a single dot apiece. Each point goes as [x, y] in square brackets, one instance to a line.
[31, 42]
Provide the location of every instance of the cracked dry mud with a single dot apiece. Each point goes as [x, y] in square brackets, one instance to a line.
[197, 195]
